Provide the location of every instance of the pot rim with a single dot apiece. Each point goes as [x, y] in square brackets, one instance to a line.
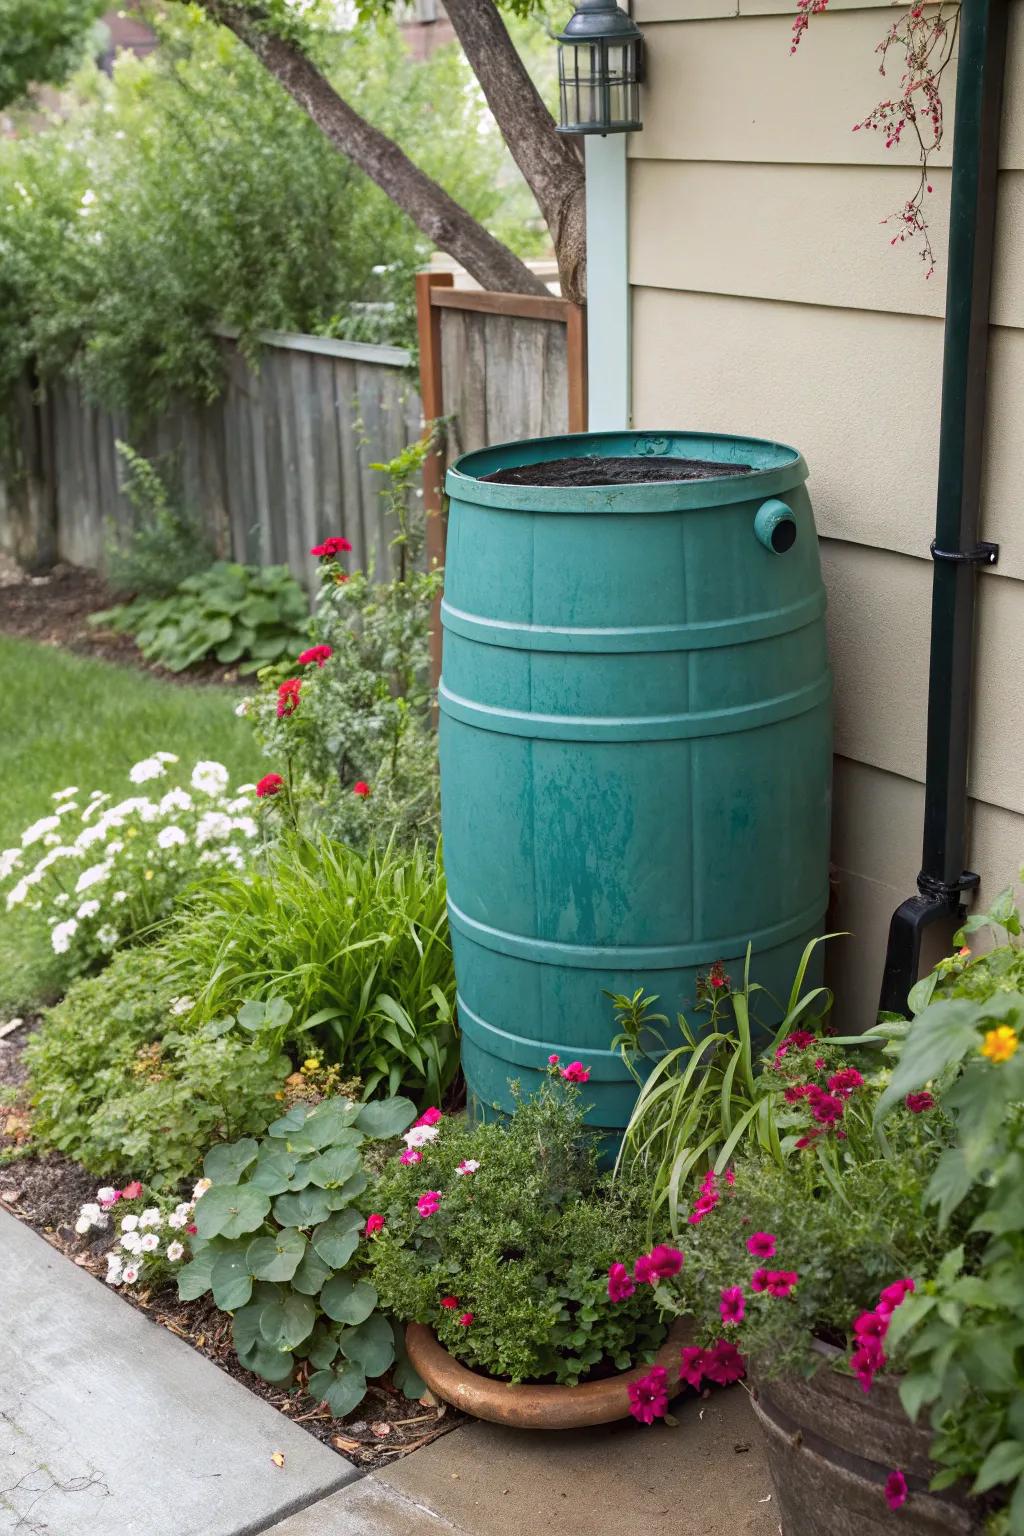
[525, 1406]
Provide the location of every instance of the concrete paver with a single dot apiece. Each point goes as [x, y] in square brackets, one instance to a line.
[110, 1423]
[706, 1476]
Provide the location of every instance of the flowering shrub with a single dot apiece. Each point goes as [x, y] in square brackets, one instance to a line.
[120, 1071]
[500, 1237]
[103, 871]
[283, 1243]
[152, 1232]
[350, 716]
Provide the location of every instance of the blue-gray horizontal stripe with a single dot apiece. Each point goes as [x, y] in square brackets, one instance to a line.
[516, 635]
[605, 1066]
[712, 722]
[628, 957]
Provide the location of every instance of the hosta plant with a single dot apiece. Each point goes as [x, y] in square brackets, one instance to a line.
[282, 1239]
[101, 870]
[249, 614]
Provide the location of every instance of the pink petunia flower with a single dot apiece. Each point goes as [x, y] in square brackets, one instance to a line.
[761, 1245]
[648, 1397]
[411, 1155]
[732, 1306]
[759, 1280]
[781, 1282]
[429, 1116]
[428, 1202]
[723, 1364]
[576, 1072]
[893, 1295]
[895, 1489]
[619, 1283]
[691, 1365]
[660, 1264]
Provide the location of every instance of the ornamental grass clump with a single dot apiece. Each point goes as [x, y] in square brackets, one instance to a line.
[102, 871]
[500, 1236]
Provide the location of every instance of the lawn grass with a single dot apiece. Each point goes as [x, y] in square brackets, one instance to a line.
[66, 719]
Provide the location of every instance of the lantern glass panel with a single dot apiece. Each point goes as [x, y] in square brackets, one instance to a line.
[599, 87]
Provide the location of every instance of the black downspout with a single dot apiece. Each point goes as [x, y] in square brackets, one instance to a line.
[956, 550]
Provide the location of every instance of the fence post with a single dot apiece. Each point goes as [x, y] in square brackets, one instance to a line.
[428, 321]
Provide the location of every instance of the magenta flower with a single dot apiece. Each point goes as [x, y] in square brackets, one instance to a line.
[732, 1306]
[895, 1489]
[702, 1207]
[466, 1319]
[411, 1155]
[576, 1072]
[691, 1365]
[429, 1117]
[648, 1397]
[428, 1202]
[619, 1284]
[723, 1364]
[374, 1223]
[761, 1245]
[759, 1280]
[871, 1325]
[826, 1108]
[780, 1282]
[660, 1264]
[730, 1177]
[553, 1061]
[893, 1295]
[919, 1103]
[843, 1083]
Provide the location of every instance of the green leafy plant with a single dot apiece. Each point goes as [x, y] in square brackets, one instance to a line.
[357, 943]
[41, 42]
[167, 544]
[700, 1102]
[280, 1245]
[121, 1077]
[247, 614]
[352, 723]
[500, 1236]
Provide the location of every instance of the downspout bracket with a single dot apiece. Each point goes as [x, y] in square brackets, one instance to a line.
[948, 891]
[981, 554]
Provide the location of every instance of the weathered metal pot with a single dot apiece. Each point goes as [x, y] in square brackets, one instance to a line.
[830, 1449]
[525, 1406]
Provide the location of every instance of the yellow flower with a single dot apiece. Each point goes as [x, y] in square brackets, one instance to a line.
[1000, 1043]
[148, 874]
[311, 1063]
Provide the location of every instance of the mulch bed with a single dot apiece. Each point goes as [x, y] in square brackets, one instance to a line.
[46, 1190]
[54, 608]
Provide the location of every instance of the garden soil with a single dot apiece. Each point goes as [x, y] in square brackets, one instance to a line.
[46, 1190]
[593, 470]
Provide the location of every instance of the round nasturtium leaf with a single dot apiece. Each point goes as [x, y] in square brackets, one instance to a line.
[386, 1117]
[304, 1208]
[331, 1169]
[284, 1324]
[231, 1210]
[274, 1169]
[245, 1327]
[348, 1301]
[322, 1347]
[271, 1364]
[371, 1345]
[226, 1163]
[341, 1390]
[330, 1123]
[337, 1239]
[311, 1273]
[290, 1124]
[231, 1280]
[277, 1257]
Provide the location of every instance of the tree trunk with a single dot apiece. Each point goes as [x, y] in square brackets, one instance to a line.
[439, 216]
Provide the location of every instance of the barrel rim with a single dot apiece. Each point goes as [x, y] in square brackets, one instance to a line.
[784, 472]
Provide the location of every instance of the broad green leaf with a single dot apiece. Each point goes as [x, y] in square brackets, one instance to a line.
[276, 1258]
[337, 1239]
[291, 1123]
[331, 1168]
[386, 1117]
[1003, 1464]
[405, 1375]
[271, 1364]
[950, 1183]
[194, 1279]
[330, 1123]
[231, 1280]
[341, 1390]
[311, 1273]
[304, 1208]
[231, 1210]
[226, 1163]
[348, 1301]
[916, 1389]
[322, 1347]
[274, 1013]
[245, 1326]
[274, 1168]
[284, 1324]
[371, 1345]
[940, 1037]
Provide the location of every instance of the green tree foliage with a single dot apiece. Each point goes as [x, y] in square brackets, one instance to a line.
[41, 42]
[190, 193]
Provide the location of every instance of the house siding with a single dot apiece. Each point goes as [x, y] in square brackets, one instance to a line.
[766, 299]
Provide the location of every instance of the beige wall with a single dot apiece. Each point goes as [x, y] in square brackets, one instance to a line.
[767, 299]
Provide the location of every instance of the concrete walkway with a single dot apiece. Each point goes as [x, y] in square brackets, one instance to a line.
[110, 1423]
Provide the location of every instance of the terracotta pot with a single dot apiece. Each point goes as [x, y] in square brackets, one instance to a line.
[830, 1449]
[530, 1407]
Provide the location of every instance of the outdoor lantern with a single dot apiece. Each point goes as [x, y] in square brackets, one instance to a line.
[599, 59]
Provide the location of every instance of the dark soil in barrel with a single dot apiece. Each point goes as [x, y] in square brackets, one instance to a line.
[594, 470]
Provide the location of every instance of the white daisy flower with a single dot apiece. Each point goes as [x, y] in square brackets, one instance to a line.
[148, 768]
[91, 876]
[176, 1220]
[62, 935]
[89, 908]
[210, 777]
[10, 858]
[175, 800]
[39, 829]
[83, 1225]
[65, 794]
[170, 837]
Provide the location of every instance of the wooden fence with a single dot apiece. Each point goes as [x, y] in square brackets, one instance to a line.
[278, 462]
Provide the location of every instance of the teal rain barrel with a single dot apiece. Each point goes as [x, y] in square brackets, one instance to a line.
[635, 741]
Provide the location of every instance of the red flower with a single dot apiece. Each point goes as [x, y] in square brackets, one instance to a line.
[450, 1302]
[192, 1228]
[648, 1397]
[843, 1083]
[724, 1364]
[361, 788]
[796, 1093]
[918, 1103]
[799, 1040]
[780, 1282]
[132, 1191]
[466, 1319]
[269, 785]
[825, 1107]
[759, 1280]
[619, 1284]
[288, 697]
[316, 653]
[576, 1072]
[732, 1306]
[691, 1365]
[374, 1223]
[761, 1245]
[895, 1489]
[335, 545]
[660, 1264]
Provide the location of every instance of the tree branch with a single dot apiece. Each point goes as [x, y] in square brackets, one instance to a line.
[429, 206]
[550, 163]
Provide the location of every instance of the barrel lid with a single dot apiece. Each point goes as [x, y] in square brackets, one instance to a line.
[775, 468]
